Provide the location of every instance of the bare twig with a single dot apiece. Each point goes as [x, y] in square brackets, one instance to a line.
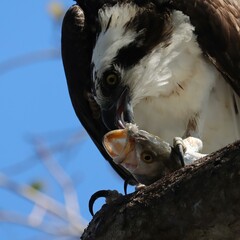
[37, 215]
[30, 58]
[49, 228]
[44, 201]
[70, 195]
[29, 162]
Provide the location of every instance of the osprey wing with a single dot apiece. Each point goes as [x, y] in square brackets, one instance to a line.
[78, 36]
[217, 26]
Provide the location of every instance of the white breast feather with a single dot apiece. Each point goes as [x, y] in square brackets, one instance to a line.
[110, 41]
[163, 108]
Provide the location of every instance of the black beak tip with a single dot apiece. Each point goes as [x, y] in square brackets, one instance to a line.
[120, 113]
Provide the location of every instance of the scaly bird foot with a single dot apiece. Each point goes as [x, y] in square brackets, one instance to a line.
[188, 149]
[109, 195]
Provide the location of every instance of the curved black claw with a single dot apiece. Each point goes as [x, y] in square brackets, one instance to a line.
[109, 195]
[181, 154]
[129, 182]
[126, 182]
[179, 148]
[95, 196]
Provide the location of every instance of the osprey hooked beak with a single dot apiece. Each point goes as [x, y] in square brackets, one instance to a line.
[119, 113]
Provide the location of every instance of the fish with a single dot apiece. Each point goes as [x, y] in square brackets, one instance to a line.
[148, 157]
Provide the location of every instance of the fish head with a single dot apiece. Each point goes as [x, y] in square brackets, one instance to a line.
[144, 155]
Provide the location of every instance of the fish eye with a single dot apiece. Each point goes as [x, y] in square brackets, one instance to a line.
[111, 79]
[147, 157]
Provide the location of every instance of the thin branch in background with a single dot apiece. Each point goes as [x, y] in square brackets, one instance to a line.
[28, 163]
[20, 61]
[55, 169]
[33, 196]
[36, 217]
[44, 205]
[50, 237]
[49, 228]
[44, 201]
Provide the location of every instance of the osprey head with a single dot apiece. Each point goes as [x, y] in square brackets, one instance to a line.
[128, 34]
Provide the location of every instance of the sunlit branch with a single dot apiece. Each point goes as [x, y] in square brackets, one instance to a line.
[28, 163]
[54, 229]
[62, 178]
[30, 58]
[42, 200]
[37, 215]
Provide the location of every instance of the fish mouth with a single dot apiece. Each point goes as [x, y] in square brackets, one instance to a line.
[121, 147]
[117, 144]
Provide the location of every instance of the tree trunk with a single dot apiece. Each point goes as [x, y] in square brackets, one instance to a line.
[200, 201]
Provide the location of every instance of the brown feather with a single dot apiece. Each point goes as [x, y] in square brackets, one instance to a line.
[217, 26]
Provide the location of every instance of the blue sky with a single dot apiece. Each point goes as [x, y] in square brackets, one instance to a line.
[34, 104]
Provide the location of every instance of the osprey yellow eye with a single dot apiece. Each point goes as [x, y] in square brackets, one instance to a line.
[112, 79]
[147, 157]
[109, 82]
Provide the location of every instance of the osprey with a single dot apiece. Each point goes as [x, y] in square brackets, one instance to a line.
[170, 66]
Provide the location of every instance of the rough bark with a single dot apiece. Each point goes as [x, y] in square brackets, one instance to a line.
[201, 201]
